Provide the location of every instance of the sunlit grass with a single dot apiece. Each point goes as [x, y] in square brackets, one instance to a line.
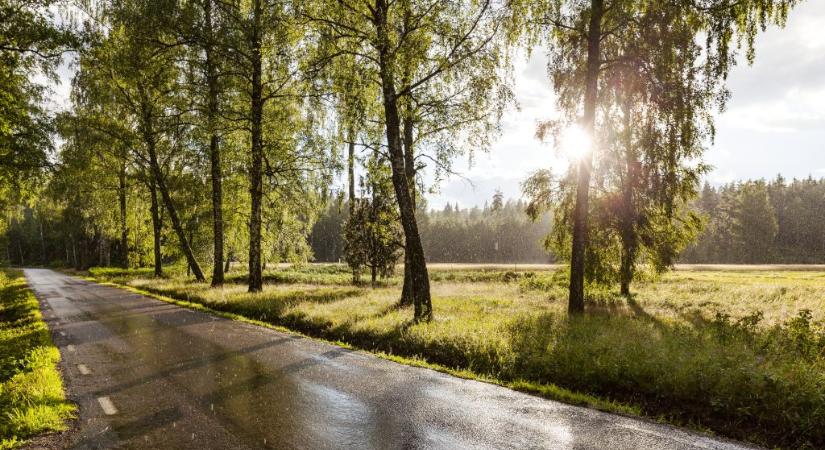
[31, 392]
[724, 350]
[780, 295]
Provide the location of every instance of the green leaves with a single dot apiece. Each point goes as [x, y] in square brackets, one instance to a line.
[31, 43]
[372, 232]
[659, 88]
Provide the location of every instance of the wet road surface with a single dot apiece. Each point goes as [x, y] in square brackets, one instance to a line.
[147, 374]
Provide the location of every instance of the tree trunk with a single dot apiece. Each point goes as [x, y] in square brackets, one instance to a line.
[226, 266]
[42, 243]
[580, 212]
[628, 217]
[100, 247]
[157, 174]
[626, 270]
[406, 288]
[191, 238]
[124, 231]
[409, 156]
[176, 225]
[351, 176]
[409, 170]
[214, 151]
[20, 250]
[351, 170]
[419, 279]
[156, 227]
[82, 251]
[256, 160]
[629, 244]
[75, 262]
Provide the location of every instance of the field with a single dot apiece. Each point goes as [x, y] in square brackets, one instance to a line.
[732, 350]
[31, 391]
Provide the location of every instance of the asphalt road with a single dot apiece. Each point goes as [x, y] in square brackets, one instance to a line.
[147, 374]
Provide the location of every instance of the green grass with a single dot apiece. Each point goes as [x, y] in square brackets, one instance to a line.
[741, 353]
[31, 391]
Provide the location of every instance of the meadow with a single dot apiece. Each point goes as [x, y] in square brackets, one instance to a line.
[32, 399]
[730, 350]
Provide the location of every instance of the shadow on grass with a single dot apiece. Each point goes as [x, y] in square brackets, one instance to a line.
[762, 384]
[323, 275]
[20, 329]
[268, 306]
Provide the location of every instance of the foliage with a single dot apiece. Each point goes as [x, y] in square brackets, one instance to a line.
[758, 222]
[472, 234]
[31, 391]
[274, 87]
[372, 234]
[436, 66]
[31, 43]
[639, 79]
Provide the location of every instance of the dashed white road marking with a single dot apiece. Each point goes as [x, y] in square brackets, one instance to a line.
[70, 348]
[107, 406]
[83, 369]
[62, 333]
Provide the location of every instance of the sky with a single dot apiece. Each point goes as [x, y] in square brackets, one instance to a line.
[773, 124]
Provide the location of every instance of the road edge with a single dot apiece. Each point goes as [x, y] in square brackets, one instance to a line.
[548, 392]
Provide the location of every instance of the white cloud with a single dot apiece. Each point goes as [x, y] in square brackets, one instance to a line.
[797, 110]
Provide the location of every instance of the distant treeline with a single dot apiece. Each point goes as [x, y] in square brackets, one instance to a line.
[501, 233]
[748, 222]
[757, 222]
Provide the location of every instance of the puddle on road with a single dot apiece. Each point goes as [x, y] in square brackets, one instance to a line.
[167, 372]
[256, 403]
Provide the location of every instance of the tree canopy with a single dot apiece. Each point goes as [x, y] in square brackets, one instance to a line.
[213, 131]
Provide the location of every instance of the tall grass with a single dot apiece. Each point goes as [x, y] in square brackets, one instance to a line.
[31, 391]
[718, 351]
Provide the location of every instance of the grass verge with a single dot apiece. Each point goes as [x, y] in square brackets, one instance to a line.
[544, 390]
[742, 355]
[32, 400]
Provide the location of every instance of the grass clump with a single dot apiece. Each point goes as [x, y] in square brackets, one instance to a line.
[31, 391]
[713, 350]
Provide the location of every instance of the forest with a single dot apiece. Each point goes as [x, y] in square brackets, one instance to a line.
[750, 222]
[759, 222]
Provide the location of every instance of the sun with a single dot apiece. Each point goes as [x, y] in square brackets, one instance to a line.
[574, 143]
